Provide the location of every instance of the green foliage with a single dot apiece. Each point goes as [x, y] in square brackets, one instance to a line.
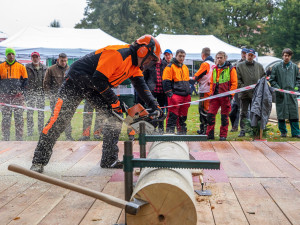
[245, 22]
[284, 28]
[240, 23]
[55, 23]
[255, 131]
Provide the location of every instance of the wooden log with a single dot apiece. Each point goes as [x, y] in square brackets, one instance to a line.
[169, 192]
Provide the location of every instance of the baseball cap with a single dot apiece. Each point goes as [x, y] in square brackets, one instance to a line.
[35, 53]
[245, 50]
[168, 51]
[251, 50]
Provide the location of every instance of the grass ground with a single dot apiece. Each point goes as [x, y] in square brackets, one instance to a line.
[192, 125]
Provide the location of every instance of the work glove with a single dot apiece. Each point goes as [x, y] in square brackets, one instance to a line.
[156, 111]
[116, 106]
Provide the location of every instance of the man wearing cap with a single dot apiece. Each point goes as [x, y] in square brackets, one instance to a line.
[285, 75]
[243, 55]
[34, 92]
[248, 72]
[168, 55]
[53, 80]
[234, 115]
[12, 85]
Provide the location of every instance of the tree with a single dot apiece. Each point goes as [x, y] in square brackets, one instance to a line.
[284, 28]
[125, 19]
[240, 23]
[55, 23]
[245, 22]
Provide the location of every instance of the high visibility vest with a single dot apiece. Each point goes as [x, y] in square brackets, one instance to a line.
[224, 81]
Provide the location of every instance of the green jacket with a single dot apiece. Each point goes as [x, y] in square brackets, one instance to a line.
[287, 78]
[248, 74]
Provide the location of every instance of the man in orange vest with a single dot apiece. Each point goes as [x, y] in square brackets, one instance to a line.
[92, 78]
[177, 87]
[224, 78]
[13, 82]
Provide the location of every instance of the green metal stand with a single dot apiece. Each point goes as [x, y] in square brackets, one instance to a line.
[130, 162]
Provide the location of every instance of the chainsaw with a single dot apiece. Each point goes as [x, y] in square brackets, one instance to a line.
[138, 114]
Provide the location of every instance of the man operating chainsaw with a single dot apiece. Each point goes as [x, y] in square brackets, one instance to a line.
[92, 78]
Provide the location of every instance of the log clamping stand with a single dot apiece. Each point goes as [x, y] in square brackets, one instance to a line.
[130, 162]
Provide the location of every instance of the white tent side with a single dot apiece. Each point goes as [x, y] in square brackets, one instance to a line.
[49, 42]
[193, 44]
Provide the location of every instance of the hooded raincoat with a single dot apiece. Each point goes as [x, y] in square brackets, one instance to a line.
[287, 77]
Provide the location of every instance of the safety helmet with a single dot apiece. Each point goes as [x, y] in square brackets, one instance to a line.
[148, 46]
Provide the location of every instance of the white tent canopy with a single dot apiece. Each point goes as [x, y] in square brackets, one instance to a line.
[49, 42]
[193, 44]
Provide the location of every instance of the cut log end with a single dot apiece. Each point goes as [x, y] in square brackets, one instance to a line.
[168, 205]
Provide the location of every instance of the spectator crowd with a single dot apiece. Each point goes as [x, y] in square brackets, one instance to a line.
[171, 84]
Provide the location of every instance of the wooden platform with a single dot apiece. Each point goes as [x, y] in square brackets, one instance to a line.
[259, 183]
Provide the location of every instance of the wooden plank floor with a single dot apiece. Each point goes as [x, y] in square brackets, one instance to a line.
[259, 183]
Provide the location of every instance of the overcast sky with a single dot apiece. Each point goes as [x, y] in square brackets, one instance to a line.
[17, 14]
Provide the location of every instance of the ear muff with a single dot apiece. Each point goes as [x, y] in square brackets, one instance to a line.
[142, 51]
[145, 48]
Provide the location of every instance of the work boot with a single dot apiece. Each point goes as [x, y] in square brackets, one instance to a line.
[69, 138]
[200, 132]
[222, 139]
[39, 168]
[97, 137]
[131, 137]
[84, 138]
[242, 134]
[115, 165]
[234, 129]
[296, 136]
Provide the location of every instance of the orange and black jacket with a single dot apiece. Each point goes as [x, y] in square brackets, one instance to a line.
[176, 79]
[13, 78]
[108, 67]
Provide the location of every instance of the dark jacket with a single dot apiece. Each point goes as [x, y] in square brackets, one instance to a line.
[54, 78]
[13, 78]
[248, 73]
[287, 78]
[150, 75]
[176, 79]
[261, 106]
[109, 67]
[35, 79]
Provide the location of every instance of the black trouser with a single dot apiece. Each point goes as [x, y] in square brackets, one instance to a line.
[203, 107]
[244, 107]
[68, 129]
[35, 100]
[162, 101]
[234, 115]
[13, 99]
[69, 97]
[88, 119]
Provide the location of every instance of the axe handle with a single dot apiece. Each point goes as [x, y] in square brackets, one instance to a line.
[86, 191]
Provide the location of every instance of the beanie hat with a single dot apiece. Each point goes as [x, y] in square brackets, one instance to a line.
[9, 50]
